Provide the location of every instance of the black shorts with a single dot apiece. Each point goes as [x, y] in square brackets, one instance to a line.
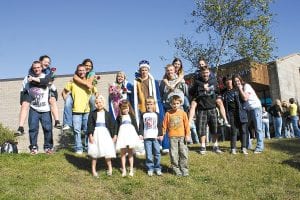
[24, 96]
[53, 94]
[204, 118]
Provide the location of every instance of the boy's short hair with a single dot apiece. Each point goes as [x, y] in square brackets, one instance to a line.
[176, 98]
[150, 99]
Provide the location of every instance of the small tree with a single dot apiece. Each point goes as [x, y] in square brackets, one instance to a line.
[234, 29]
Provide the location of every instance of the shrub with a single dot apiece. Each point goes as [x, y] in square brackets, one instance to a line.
[6, 134]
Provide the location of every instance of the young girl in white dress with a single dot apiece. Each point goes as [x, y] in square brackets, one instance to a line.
[101, 131]
[128, 138]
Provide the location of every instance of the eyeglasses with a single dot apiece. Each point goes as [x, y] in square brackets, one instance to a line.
[144, 62]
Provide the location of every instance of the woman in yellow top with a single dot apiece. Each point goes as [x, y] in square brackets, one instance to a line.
[294, 117]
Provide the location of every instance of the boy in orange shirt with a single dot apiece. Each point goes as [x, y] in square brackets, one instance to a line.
[177, 124]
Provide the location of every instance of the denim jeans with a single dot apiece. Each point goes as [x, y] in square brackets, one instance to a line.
[178, 155]
[194, 134]
[67, 118]
[152, 148]
[294, 120]
[277, 126]
[256, 116]
[165, 142]
[266, 128]
[33, 122]
[80, 124]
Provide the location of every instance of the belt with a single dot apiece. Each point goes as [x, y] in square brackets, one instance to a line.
[100, 124]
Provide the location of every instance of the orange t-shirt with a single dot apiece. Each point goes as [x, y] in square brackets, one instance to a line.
[176, 123]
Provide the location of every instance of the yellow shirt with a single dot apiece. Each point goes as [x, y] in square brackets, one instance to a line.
[293, 109]
[81, 96]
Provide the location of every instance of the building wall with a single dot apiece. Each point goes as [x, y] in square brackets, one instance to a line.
[287, 83]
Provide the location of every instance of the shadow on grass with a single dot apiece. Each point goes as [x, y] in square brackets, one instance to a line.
[291, 147]
[66, 140]
[84, 163]
[196, 148]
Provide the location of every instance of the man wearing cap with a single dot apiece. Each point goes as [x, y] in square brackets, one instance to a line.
[145, 86]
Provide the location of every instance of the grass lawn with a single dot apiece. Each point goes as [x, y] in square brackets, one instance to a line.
[274, 174]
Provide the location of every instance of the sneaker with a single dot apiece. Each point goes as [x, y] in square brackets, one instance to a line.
[178, 172]
[227, 124]
[217, 150]
[66, 127]
[124, 173]
[131, 173]
[257, 151]
[34, 150]
[57, 124]
[165, 151]
[20, 131]
[150, 173]
[202, 150]
[159, 173]
[185, 174]
[49, 151]
[79, 152]
[109, 173]
[244, 151]
[233, 151]
[96, 175]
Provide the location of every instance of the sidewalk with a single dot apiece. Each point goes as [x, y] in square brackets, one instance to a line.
[59, 141]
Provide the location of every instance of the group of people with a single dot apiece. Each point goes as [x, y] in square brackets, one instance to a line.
[284, 117]
[145, 114]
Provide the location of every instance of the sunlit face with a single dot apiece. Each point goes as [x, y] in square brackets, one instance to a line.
[237, 82]
[99, 103]
[144, 71]
[229, 85]
[120, 78]
[125, 111]
[46, 62]
[150, 106]
[170, 71]
[37, 68]
[177, 65]
[205, 74]
[88, 66]
[176, 104]
[81, 72]
[202, 63]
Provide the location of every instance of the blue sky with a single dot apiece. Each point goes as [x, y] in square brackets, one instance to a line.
[115, 34]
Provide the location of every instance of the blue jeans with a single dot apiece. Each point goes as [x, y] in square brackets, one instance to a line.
[194, 134]
[277, 126]
[255, 115]
[67, 118]
[294, 120]
[80, 123]
[266, 128]
[166, 142]
[33, 122]
[152, 148]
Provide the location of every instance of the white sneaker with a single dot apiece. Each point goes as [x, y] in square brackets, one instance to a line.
[244, 150]
[217, 150]
[150, 173]
[165, 151]
[233, 151]
[66, 127]
[79, 152]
